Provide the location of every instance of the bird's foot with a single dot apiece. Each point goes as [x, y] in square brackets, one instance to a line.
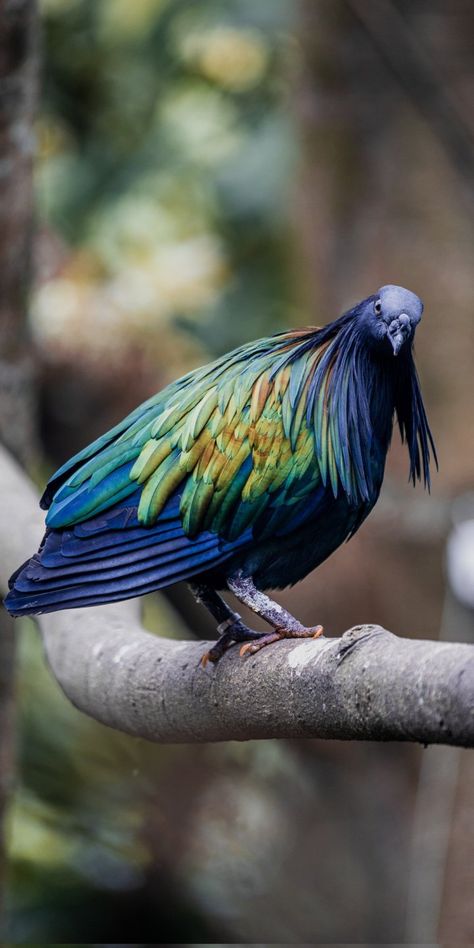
[300, 632]
[284, 625]
[231, 631]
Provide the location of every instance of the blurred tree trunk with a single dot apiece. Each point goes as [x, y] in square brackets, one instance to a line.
[380, 82]
[7, 658]
[18, 93]
[341, 96]
[382, 101]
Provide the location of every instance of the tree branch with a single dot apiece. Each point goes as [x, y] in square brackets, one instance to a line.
[368, 685]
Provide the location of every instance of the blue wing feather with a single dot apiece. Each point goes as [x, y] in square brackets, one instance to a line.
[99, 561]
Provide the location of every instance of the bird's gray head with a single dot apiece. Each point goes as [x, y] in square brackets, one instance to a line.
[393, 315]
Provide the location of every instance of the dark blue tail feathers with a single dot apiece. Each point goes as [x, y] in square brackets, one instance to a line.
[111, 557]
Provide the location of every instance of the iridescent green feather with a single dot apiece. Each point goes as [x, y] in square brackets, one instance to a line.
[234, 439]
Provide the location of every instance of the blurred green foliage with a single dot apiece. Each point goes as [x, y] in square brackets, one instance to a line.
[79, 853]
[165, 147]
[165, 153]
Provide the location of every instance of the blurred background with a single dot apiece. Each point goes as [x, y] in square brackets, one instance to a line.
[206, 174]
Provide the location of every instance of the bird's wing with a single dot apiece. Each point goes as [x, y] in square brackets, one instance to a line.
[111, 557]
[233, 440]
[239, 451]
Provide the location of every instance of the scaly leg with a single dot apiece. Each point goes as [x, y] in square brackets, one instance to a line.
[284, 624]
[231, 629]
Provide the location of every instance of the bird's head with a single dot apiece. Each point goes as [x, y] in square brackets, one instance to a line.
[391, 317]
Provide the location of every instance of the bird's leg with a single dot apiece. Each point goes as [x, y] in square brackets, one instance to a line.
[215, 604]
[284, 624]
[231, 629]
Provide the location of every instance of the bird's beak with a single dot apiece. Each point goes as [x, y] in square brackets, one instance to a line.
[398, 332]
[396, 340]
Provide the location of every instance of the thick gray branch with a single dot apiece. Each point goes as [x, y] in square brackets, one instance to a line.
[368, 685]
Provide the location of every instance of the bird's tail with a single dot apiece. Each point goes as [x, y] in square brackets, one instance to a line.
[96, 562]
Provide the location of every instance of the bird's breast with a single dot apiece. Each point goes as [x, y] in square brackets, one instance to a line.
[278, 562]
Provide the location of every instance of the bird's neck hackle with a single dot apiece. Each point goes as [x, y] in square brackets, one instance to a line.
[352, 392]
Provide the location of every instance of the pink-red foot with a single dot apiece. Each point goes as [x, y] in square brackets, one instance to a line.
[251, 647]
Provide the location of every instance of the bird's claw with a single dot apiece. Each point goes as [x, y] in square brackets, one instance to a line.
[258, 640]
[231, 632]
[250, 648]
[212, 656]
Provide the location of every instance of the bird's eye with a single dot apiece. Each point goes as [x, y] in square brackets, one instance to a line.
[378, 307]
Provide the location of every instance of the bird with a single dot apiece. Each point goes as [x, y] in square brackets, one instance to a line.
[243, 475]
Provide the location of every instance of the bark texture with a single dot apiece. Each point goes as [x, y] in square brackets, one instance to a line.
[7, 664]
[18, 93]
[367, 685]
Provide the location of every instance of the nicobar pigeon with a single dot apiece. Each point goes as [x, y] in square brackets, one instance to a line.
[242, 475]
